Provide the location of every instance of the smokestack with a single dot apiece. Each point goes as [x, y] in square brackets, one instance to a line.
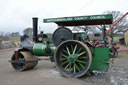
[35, 28]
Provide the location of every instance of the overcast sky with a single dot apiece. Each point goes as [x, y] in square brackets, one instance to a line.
[16, 15]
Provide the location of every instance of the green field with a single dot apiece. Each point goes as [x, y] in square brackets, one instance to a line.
[116, 39]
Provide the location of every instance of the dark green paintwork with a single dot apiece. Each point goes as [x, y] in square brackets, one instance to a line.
[39, 49]
[100, 56]
[81, 35]
[78, 18]
[47, 39]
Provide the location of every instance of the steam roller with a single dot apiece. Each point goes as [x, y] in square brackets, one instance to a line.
[71, 50]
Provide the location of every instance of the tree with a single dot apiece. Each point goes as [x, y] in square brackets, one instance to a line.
[14, 34]
[121, 27]
[28, 31]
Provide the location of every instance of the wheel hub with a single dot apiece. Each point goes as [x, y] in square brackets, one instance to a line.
[72, 58]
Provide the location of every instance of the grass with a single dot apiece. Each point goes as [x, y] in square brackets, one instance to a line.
[14, 38]
[116, 39]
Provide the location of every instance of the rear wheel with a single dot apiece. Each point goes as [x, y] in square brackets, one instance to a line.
[73, 58]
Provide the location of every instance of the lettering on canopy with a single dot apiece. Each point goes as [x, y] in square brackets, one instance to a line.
[79, 18]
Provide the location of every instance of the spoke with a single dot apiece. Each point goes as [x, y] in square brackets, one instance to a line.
[64, 62]
[67, 66]
[77, 67]
[83, 57]
[65, 51]
[81, 54]
[68, 50]
[74, 69]
[74, 49]
[63, 59]
[79, 50]
[81, 61]
[81, 65]
[64, 55]
[70, 67]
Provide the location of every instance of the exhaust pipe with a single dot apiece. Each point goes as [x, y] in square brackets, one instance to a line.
[35, 29]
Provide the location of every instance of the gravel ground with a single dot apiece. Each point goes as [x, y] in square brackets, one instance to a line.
[45, 73]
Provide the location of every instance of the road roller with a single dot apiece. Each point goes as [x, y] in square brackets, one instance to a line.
[71, 51]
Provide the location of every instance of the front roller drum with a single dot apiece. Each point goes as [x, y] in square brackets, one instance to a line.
[24, 61]
[73, 58]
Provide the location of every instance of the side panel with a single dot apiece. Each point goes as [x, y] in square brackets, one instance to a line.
[100, 58]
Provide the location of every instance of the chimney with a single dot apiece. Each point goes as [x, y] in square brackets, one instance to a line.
[35, 29]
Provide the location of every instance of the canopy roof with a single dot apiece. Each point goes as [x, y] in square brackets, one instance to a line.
[81, 20]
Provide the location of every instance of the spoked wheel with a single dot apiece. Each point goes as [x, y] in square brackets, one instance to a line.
[73, 58]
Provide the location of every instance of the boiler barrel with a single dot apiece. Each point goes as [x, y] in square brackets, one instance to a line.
[39, 49]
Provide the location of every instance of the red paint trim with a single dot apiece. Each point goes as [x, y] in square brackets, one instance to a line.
[123, 51]
[115, 46]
